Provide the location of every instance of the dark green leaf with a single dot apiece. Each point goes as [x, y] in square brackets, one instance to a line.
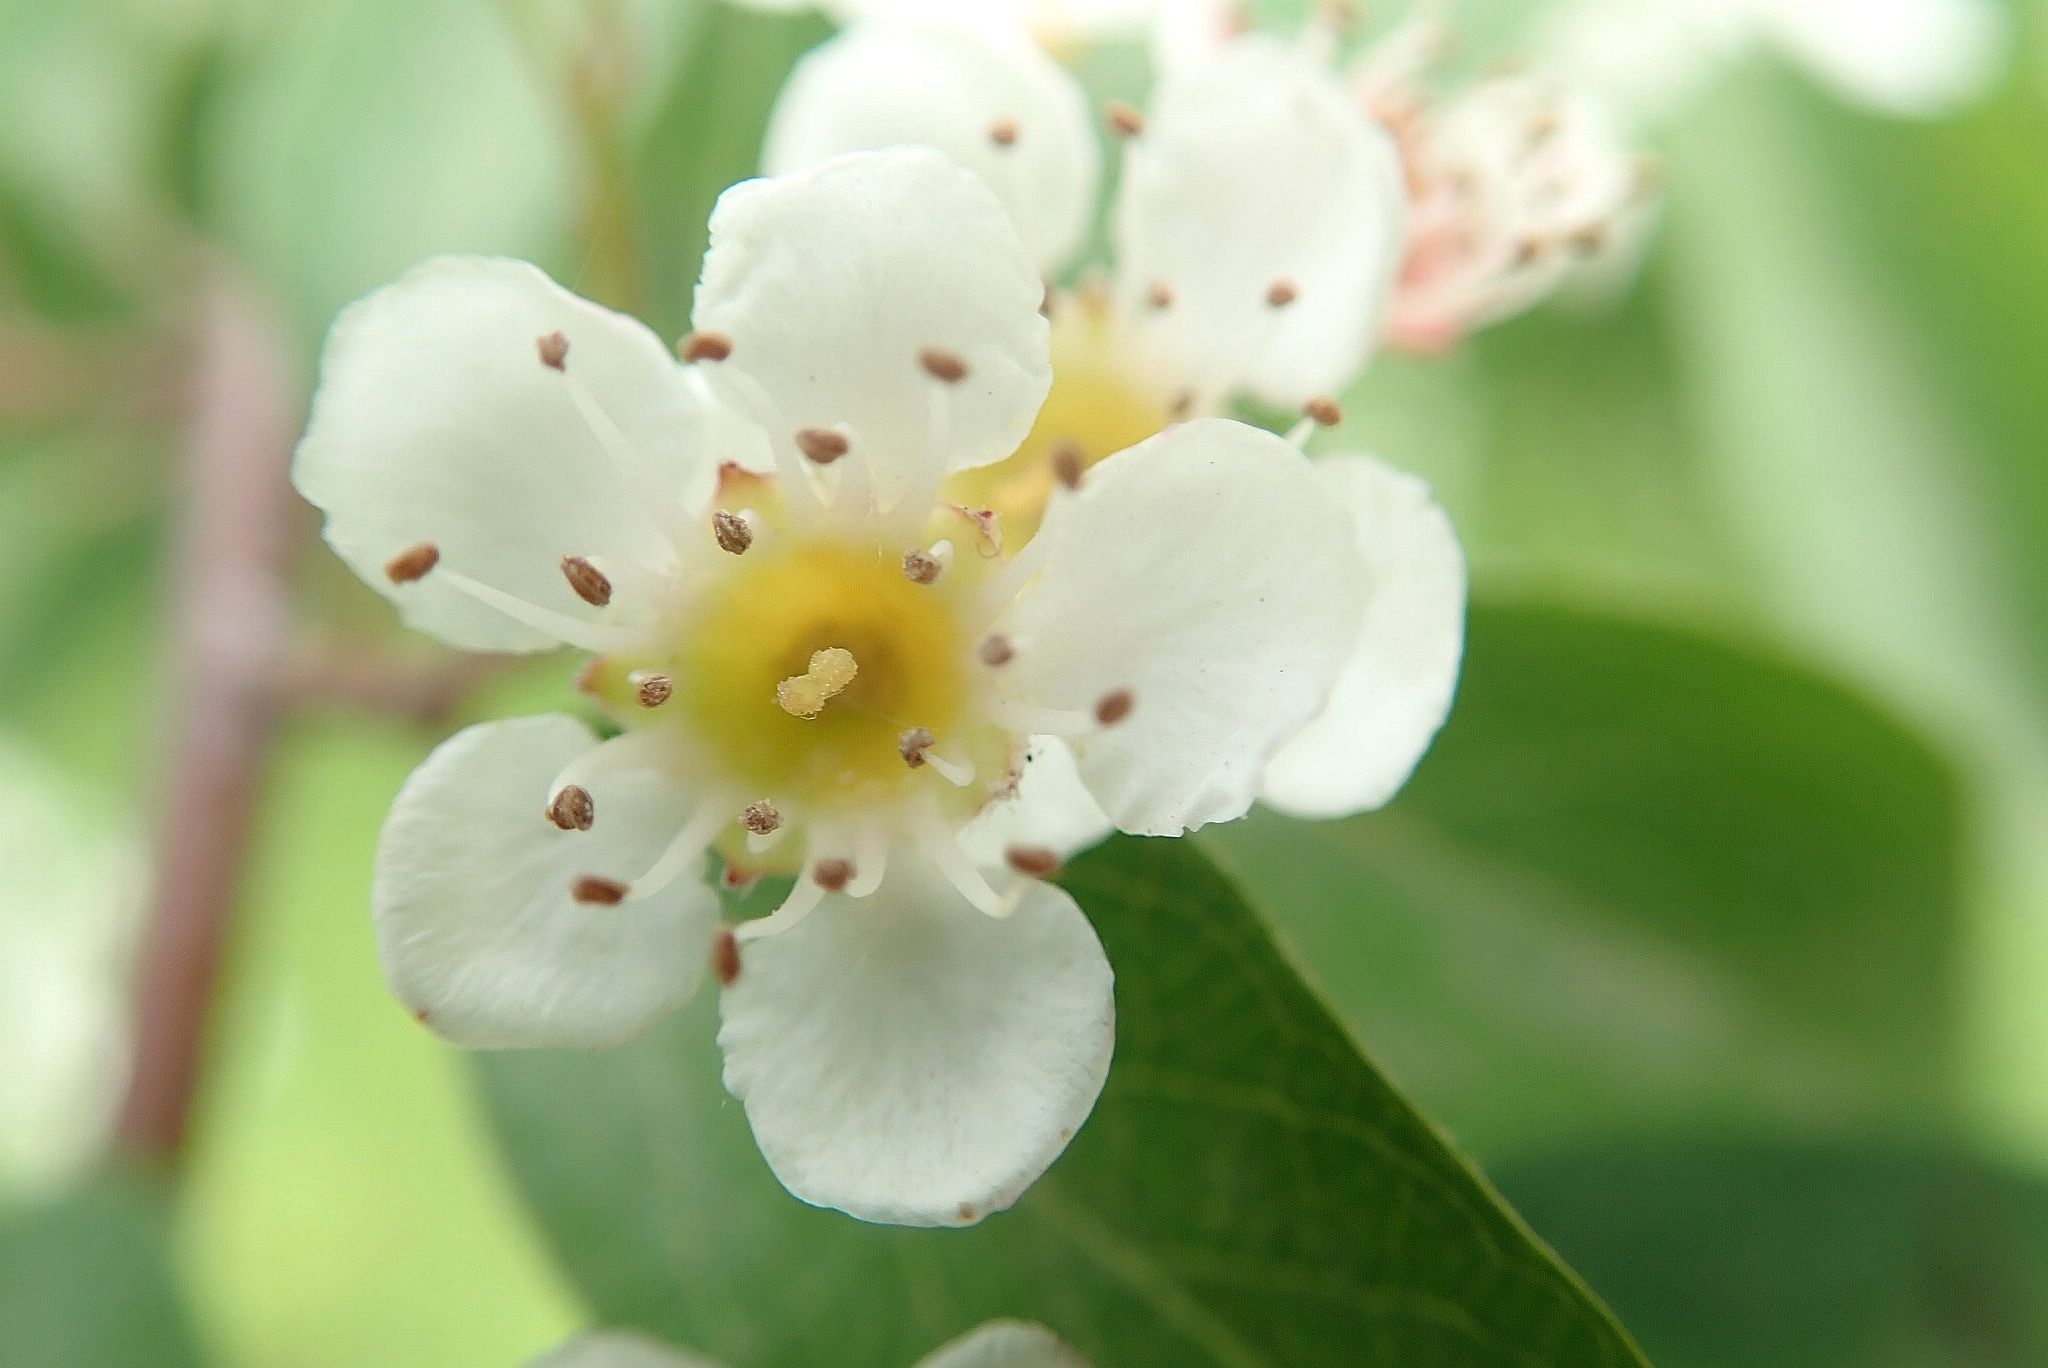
[85, 1282]
[1646, 874]
[1249, 1191]
[1738, 1255]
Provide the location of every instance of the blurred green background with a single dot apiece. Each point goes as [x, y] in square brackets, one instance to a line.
[1716, 926]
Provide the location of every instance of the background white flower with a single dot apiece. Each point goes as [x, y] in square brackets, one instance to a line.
[1907, 57]
[828, 672]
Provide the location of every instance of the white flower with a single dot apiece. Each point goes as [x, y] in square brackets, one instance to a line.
[1258, 226]
[830, 670]
[1907, 57]
[1516, 182]
[66, 932]
[998, 1344]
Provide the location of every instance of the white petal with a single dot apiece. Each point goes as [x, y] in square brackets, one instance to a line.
[954, 88]
[906, 1059]
[832, 282]
[618, 1349]
[1205, 571]
[1004, 1344]
[475, 924]
[1912, 57]
[1052, 809]
[1396, 689]
[435, 421]
[1256, 169]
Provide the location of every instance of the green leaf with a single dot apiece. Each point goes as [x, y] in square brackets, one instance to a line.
[1248, 1192]
[85, 1282]
[707, 134]
[1817, 1255]
[1647, 875]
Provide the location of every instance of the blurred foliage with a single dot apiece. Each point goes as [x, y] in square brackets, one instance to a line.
[1248, 1189]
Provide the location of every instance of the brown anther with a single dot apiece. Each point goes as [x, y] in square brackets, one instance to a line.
[1033, 862]
[736, 879]
[942, 365]
[704, 346]
[725, 957]
[587, 580]
[412, 563]
[966, 1214]
[1528, 250]
[1183, 404]
[596, 890]
[996, 650]
[912, 745]
[1323, 411]
[832, 874]
[1543, 126]
[553, 349]
[651, 691]
[1590, 240]
[1160, 296]
[1003, 132]
[822, 445]
[1281, 293]
[921, 567]
[590, 678]
[1124, 120]
[1113, 707]
[572, 809]
[732, 531]
[1068, 461]
[761, 817]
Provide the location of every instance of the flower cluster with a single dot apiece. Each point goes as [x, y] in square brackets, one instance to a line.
[824, 663]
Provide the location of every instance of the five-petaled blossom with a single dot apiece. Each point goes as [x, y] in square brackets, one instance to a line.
[997, 1344]
[824, 666]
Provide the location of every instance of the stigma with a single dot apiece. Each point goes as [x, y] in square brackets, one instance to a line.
[806, 695]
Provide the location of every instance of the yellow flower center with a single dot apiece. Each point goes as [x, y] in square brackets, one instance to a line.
[799, 672]
[1100, 403]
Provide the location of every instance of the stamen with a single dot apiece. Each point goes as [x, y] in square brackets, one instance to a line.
[1323, 411]
[921, 566]
[955, 772]
[587, 580]
[942, 365]
[822, 445]
[594, 890]
[639, 750]
[801, 902]
[601, 638]
[651, 690]
[913, 743]
[554, 350]
[872, 848]
[1123, 120]
[725, 957]
[806, 695]
[732, 532]
[761, 817]
[1033, 862]
[1068, 462]
[1281, 293]
[685, 849]
[1160, 296]
[704, 346]
[572, 809]
[832, 874]
[996, 651]
[1003, 132]
[413, 563]
[1114, 707]
[936, 839]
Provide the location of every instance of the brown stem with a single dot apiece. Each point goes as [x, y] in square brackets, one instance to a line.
[229, 624]
[336, 672]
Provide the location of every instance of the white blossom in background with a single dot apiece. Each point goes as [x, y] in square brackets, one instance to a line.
[998, 1344]
[67, 926]
[825, 666]
[1517, 181]
[1912, 58]
[1257, 229]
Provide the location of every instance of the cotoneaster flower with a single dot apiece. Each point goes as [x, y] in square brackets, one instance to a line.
[1258, 231]
[998, 1344]
[820, 665]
